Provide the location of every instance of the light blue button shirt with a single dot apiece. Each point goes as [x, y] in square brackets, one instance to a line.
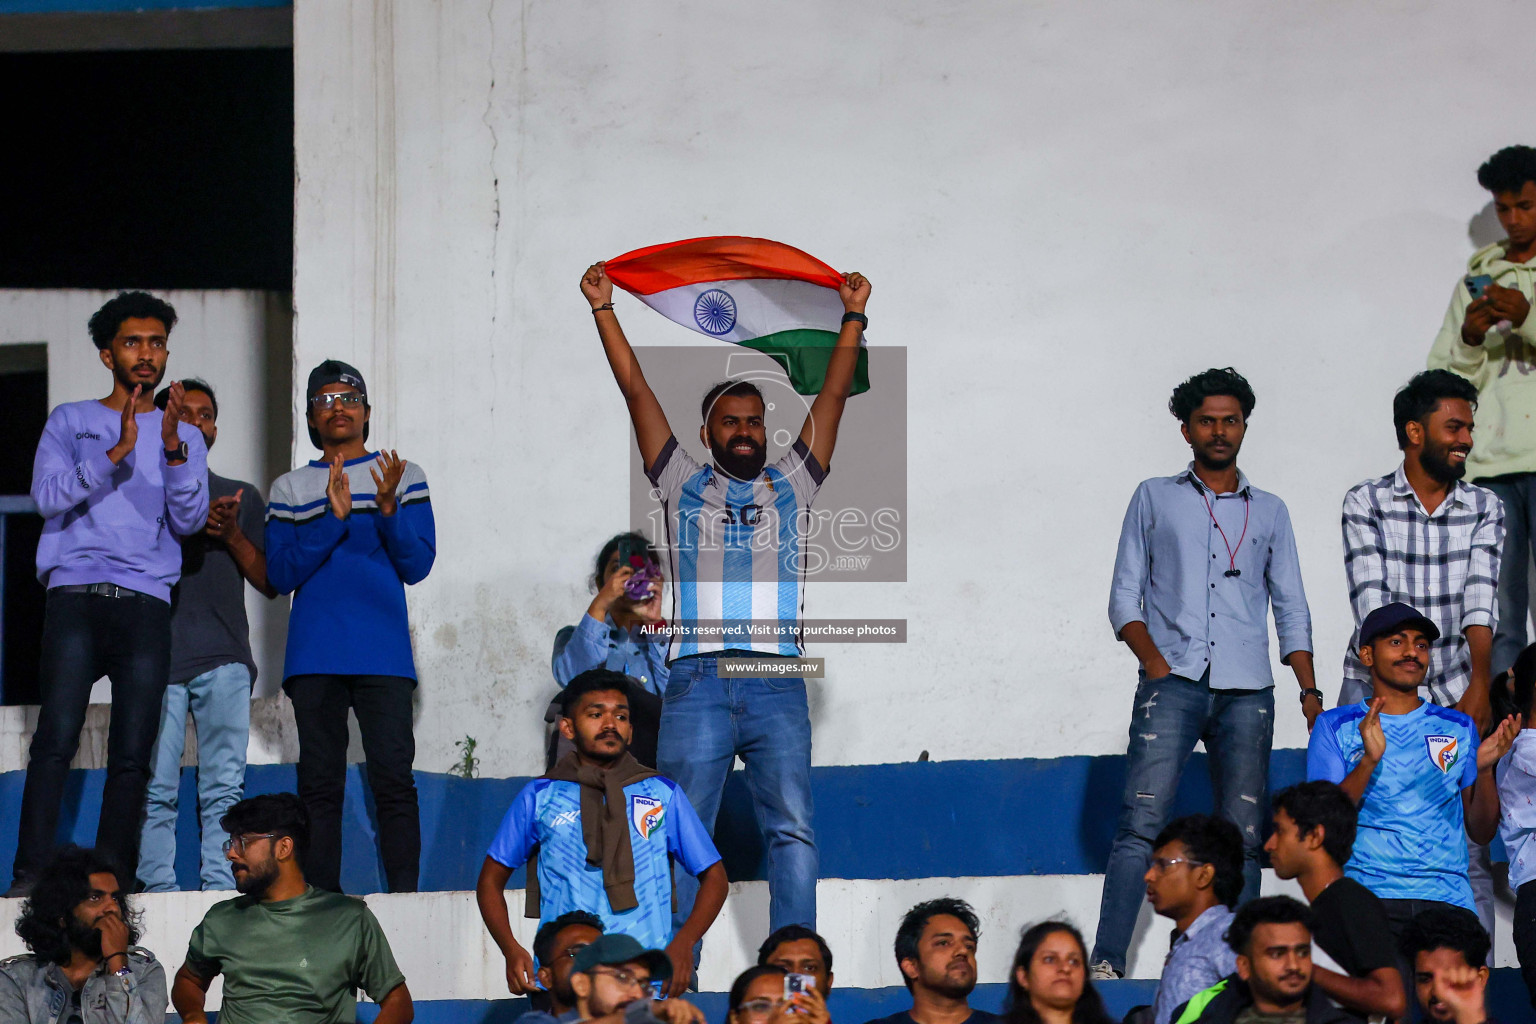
[1517, 807]
[1196, 960]
[1171, 573]
[592, 644]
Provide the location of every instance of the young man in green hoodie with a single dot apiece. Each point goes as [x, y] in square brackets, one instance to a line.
[1489, 337]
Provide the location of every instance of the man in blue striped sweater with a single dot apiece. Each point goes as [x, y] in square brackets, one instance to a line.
[345, 534]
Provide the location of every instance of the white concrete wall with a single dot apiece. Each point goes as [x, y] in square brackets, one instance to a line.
[239, 342]
[1065, 208]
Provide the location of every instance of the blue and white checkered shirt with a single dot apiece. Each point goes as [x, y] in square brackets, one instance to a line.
[1445, 564]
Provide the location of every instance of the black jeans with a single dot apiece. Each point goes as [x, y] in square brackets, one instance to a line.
[1525, 935]
[383, 708]
[87, 636]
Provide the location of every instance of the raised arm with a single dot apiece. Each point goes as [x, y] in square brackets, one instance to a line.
[645, 412]
[293, 554]
[820, 430]
[405, 517]
[239, 527]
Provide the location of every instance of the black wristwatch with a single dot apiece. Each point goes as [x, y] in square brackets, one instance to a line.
[851, 317]
[177, 454]
[1311, 691]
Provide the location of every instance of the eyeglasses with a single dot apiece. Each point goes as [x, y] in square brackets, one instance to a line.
[1162, 864]
[350, 399]
[756, 1008]
[577, 948]
[627, 979]
[239, 843]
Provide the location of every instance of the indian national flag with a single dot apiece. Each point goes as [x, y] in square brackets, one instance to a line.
[749, 291]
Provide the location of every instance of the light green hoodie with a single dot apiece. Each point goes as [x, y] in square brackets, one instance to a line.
[1503, 368]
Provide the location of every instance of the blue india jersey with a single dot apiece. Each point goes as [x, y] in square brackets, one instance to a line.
[662, 825]
[1411, 841]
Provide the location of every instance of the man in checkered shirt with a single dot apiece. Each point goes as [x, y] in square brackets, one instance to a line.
[1422, 536]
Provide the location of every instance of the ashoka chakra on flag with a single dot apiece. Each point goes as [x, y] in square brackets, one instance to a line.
[754, 292]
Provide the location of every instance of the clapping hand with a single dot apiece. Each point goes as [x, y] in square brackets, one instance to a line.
[171, 419]
[386, 478]
[1498, 742]
[339, 488]
[1371, 737]
[224, 517]
[128, 431]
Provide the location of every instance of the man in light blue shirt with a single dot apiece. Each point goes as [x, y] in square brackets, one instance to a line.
[1202, 555]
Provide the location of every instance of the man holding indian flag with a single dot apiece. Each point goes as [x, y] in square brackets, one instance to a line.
[737, 527]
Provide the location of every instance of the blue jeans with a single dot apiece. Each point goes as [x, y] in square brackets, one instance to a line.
[1517, 492]
[1170, 715]
[220, 703]
[707, 721]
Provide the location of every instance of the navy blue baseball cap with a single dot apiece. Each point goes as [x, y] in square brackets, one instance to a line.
[616, 948]
[1391, 618]
[334, 371]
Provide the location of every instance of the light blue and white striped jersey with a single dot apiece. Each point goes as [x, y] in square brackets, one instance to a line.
[662, 826]
[737, 551]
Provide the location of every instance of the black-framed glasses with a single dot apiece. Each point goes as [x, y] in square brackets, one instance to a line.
[239, 843]
[349, 399]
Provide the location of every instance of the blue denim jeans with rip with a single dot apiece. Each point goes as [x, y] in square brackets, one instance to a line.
[1170, 715]
[220, 703]
[706, 722]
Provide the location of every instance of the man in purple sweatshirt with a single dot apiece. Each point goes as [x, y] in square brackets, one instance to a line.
[118, 483]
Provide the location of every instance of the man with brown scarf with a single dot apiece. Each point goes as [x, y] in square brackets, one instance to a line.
[599, 833]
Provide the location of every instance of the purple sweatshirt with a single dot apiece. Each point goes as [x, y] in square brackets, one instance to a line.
[118, 524]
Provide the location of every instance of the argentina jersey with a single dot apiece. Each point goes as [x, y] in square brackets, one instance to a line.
[662, 825]
[1411, 841]
[737, 551]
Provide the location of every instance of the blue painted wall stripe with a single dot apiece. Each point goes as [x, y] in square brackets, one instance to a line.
[915, 820]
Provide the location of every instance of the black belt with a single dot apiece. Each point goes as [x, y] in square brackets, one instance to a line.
[99, 589]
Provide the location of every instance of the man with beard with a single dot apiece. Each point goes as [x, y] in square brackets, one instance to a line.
[1202, 556]
[118, 484]
[84, 967]
[614, 979]
[1416, 771]
[211, 665]
[288, 951]
[936, 954]
[555, 946]
[1423, 537]
[601, 831]
[345, 535]
[736, 530]
[1272, 938]
[1449, 953]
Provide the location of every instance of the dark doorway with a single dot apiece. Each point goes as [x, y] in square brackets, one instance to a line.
[24, 399]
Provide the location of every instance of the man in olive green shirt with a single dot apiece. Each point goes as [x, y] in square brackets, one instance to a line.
[288, 951]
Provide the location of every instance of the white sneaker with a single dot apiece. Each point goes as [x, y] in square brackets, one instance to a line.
[1101, 971]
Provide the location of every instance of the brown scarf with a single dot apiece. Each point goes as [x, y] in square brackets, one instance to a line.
[604, 826]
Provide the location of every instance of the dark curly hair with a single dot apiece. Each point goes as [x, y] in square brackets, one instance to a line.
[1188, 396]
[593, 680]
[1017, 1008]
[106, 320]
[1319, 804]
[911, 928]
[1214, 841]
[282, 814]
[1508, 170]
[1265, 910]
[1417, 400]
[49, 911]
[1446, 927]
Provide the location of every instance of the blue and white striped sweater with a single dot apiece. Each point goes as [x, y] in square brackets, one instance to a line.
[348, 577]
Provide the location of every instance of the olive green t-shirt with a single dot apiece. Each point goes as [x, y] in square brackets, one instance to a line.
[300, 961]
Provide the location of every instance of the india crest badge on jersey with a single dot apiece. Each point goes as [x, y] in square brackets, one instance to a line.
[1444, 751]
[646, 812]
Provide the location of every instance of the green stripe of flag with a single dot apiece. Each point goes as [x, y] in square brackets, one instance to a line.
[804, 354]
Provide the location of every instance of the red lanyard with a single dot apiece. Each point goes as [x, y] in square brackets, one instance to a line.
[1232, 569]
